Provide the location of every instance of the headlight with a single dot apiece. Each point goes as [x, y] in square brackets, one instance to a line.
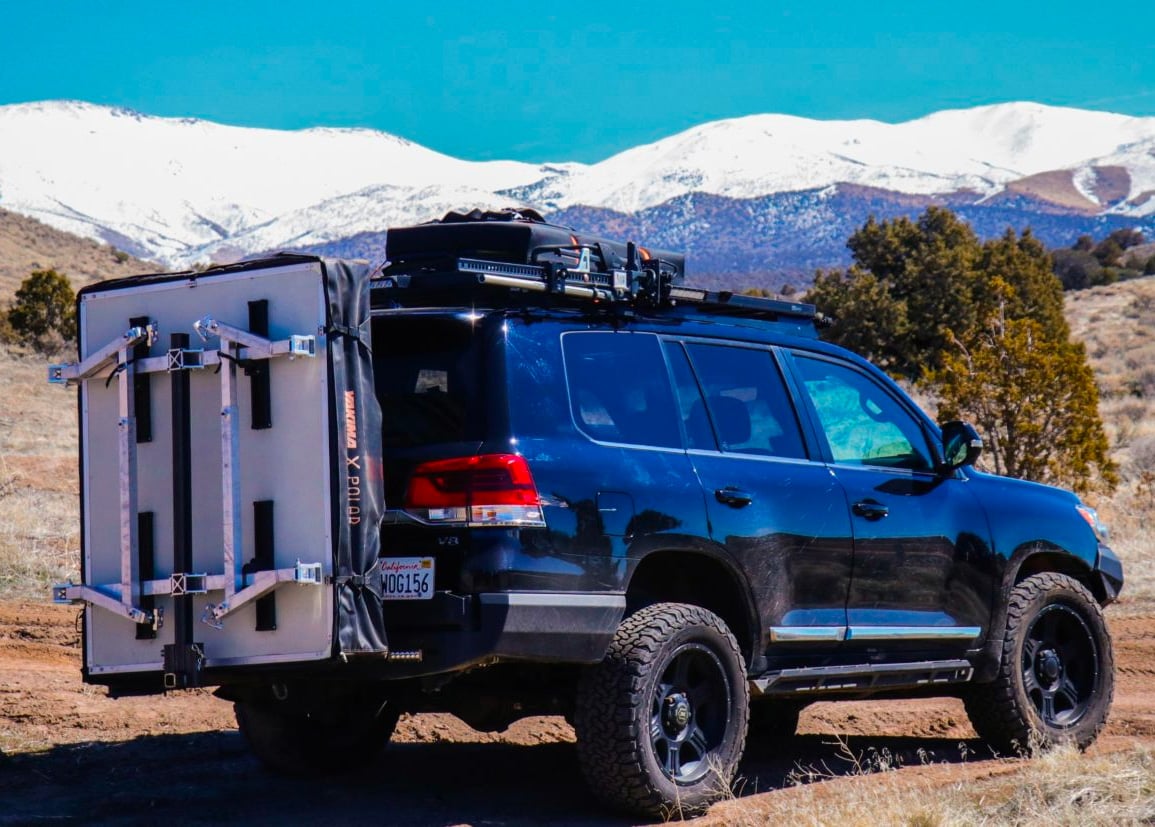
[1092, 517]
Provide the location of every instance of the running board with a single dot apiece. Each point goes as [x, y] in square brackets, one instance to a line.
[862, 677]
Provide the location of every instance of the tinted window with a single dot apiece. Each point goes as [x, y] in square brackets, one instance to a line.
[619, 389]
[746, 402]
[425, 370]
[862, 422]
[691, 408]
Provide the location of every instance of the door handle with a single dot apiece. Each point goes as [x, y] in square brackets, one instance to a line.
[870, 509]
[733, 497]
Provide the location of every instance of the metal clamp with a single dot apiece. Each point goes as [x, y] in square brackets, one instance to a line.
[209, 616]
[302, 346]
[307, 574]
[117, 349]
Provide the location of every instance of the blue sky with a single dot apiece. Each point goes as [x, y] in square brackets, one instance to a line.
[579, 81]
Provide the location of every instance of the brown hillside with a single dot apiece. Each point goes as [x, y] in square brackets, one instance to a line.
[27, 244]
[1137, 256]
[1057, 187]
[1112, 184]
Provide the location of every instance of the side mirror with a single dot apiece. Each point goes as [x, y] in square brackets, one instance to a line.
[961, 445]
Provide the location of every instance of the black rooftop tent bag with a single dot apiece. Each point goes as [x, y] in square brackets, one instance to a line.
[510, 236]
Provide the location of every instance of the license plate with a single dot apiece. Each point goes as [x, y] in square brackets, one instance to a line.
[407, 578]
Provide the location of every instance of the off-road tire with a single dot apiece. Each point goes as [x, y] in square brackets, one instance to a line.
[296, 741]
[671, 687]
[774, 720]
[1057, 672]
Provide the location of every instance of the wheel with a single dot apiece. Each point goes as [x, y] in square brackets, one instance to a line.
[661, 721]
[1057, 674]
[770, 720]
[318, 735]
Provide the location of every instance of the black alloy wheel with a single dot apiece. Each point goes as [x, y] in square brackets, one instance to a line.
[1060, 665]
[1056, 675]
[690, 712]
[661, 721]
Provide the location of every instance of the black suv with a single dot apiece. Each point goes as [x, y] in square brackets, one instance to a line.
[671, 515]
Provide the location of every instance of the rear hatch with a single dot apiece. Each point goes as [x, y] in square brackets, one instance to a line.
[451, 478]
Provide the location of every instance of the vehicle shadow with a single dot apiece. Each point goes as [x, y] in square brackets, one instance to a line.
[210, 777]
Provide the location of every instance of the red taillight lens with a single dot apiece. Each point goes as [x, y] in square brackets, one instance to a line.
[475, 489]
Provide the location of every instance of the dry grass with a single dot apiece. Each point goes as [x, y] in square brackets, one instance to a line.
[1060, 787]
[27, 245]
[1117, 323]
[39, 520]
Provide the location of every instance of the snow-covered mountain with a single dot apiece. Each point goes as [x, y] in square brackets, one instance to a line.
[980, 150]
[184, 190]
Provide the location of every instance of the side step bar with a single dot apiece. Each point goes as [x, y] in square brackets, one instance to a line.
[862, 677]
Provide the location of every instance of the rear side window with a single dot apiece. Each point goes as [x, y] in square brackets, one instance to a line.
[426, 373]
[619, 390]
[746, 402]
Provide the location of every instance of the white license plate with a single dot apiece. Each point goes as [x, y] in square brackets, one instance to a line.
[408, 578]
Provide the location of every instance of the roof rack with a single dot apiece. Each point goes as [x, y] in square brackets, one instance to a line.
[646, 287]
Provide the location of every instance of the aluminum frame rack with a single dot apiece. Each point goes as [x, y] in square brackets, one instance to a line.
[236, 345]
[648, 287]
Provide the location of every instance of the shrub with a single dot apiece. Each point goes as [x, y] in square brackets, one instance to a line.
[44, 312]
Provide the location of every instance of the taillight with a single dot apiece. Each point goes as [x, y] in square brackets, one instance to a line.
[491, 489]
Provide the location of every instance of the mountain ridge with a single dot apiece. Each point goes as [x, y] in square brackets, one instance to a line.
[781, 189]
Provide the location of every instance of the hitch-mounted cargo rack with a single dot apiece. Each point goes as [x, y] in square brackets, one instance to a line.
[208, 513]
[236, 347]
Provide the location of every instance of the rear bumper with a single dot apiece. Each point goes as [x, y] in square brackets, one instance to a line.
[454, 631]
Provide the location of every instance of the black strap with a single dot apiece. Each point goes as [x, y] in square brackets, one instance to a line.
[360, 334]
[370, 580]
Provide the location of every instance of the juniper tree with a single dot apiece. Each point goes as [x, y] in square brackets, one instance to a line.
[45, 308]
[980, 326]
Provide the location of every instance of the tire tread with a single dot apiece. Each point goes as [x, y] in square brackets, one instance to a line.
[995, 708]
[610, 692]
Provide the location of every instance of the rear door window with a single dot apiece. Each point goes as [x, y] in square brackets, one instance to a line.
[619, 388]
[744, 399]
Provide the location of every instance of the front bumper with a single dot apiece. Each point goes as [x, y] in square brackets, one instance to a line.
[455, 631]
[1109, 569]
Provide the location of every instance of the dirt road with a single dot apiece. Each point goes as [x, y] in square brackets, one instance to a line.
[69, 754]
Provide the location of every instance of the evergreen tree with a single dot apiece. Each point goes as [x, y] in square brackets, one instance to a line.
[45, 308]
[1033, 398]
[920, 289]
[981, 325]
[1030, 289]
[1109, 252]
[868, 318]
